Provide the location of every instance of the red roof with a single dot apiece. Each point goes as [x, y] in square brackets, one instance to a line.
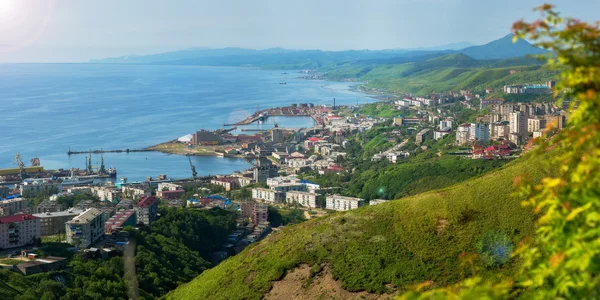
[314, 139]
[335, 168]
[478, 152]
[17, 218]
[146, 201]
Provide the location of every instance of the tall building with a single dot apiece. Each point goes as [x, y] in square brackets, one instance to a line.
[19, 230]
[48, 206]
[518, 126]
[86, 228]
[480, 132]
[52, 223]
[535, 124]
[463, 133]
[146, 210]
[265, 170]
[260, 213]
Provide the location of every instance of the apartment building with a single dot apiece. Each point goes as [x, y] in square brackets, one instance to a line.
[146, 210]
[303, 198]
[18, 230]
[86, 228]
[267, 195]
[12, 206]
[52, 223]
[342, 203]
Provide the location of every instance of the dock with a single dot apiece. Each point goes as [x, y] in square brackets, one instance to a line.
[69, 152]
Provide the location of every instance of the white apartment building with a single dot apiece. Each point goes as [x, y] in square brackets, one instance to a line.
[303, 198]
[342, 203]
[18, 230]
[86, 228]
[267, 195]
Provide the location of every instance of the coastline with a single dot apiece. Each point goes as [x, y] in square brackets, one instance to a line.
[178, 148]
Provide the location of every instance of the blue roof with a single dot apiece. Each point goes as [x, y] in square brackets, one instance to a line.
[306, 182]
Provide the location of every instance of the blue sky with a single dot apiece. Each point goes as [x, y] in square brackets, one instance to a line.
[78, 30]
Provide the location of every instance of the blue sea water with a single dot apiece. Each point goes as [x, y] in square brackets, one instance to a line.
[46, 108]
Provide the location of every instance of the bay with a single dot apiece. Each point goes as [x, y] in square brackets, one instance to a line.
[47, 108]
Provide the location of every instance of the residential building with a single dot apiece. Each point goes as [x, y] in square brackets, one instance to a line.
[134, 192]
[12, 206]
[167, 186]
[267, 195]
[480, 132]
[285, 187]
[401, 121]
[303, 198]
[446, 124]
[146, 210]
[4, 190]
[260, 213]
[277, 135]
[48, 206]
[170, 195]
[86, 228]
[52, 223]
[19, 230]
[535, 124]
[297, 162]
[342, 203]
[518, 126]
[463, 134]
[489, 102]
[121, 219]
[438, 134]
[559, 121]
[228, 183]
[420, 137]
[499, 130]
[263, 172]
[35, 188]
[107, 193]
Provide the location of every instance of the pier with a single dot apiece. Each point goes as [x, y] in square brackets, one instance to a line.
[69, 152]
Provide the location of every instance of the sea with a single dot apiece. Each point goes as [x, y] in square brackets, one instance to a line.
[45, 109]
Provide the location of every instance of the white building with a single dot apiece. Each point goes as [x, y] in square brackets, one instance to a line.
[168, 186]
[377, 201]
[438, 134]
[285, 187]
[267, 195]
[135, 192]
[518, 127]
[303, 198]
[19, 230]
[341, 203]
[85, 229]
[446, 124]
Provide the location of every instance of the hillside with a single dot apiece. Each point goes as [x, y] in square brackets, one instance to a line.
[384, 248]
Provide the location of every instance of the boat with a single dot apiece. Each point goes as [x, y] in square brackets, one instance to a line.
[73, 180]
[283, 83]
[112, 172]
[76, 180]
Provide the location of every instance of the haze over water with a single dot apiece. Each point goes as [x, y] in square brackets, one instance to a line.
[47, 108]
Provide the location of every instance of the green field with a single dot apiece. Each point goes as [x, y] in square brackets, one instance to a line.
[388, 247]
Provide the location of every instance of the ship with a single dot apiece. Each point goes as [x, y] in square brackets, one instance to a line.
[112, 172]
[283, 83]
[76, 180]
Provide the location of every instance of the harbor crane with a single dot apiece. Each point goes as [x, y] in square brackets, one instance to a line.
[194, 173]
[19, 162]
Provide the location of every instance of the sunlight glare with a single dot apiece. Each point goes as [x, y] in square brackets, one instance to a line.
[6, 8]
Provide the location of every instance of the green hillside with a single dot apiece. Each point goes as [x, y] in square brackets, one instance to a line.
[388, 247]
[445, 73]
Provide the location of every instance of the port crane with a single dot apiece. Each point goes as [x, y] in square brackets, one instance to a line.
[19, 162]
[194, 173]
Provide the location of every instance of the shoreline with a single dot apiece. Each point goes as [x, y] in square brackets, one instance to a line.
[177, 148]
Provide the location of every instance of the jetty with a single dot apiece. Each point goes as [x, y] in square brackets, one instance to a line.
[69, 152]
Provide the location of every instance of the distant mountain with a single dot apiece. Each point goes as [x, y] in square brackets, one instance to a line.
[312, 59]
[451, 46]
[502, 48]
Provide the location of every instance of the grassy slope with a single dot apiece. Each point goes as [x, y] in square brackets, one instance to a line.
[396, 242]
[441, 74]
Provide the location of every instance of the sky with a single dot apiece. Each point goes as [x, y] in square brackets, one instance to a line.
[79, 30]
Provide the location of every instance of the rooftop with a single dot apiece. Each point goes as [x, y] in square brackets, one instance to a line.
[86, 216]
[146, 201]
[17, 218]
[71, 212]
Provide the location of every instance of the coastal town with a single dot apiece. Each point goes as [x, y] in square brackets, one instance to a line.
[37, 205]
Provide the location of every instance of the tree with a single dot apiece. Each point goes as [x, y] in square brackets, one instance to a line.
[563, 260]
